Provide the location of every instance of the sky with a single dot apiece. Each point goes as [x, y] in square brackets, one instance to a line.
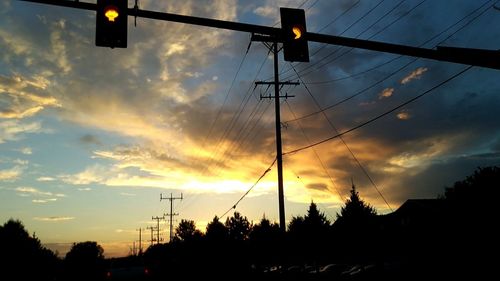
[90, 137]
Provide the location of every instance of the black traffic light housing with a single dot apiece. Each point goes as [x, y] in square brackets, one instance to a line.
[111, 23]
[294, 32]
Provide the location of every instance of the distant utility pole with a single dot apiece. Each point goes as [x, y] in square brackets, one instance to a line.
[152, 228]
[140, 240]
[157, 218]
[171, 214]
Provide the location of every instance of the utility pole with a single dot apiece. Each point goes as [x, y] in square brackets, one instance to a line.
[171, 214]
[157, 218]
[152, 228]
[140, 241]
[279, 151]
[277, 86]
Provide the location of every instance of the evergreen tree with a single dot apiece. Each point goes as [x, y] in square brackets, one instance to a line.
[186, 231]
[316, 220]
[238, 227]
[216, 230]
[355, 209]
[265, 231]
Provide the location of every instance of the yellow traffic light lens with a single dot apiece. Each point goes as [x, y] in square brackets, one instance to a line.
[297, 31]
[111, 12]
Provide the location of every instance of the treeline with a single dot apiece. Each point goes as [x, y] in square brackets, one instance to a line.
[23, 257]
[454, 236]
[242, 246]
[449, 237]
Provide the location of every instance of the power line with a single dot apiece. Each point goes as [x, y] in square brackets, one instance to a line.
[228, 92]
[250, 189]
[225, 98]
[381, 115]
[317, 155]
[343, 141]
[398, 57]
[339, 16]
[382, 17]
[235, 116]
[354, 95]
[469, 22]
[398, 19]
[348, 51]
[301, 181]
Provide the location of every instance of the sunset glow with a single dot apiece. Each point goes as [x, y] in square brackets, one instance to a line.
[90, 136]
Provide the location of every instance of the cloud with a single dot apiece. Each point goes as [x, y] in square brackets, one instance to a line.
[11, 174]
[43, 201]
[26, 150]
[90, 139]
[24, 97]
[127, 194]
[318, 187]
[46, 179]
[403, 115]
[42, 195]
[387, 92]
[13, 130]
[54, 219]
[94, 174]
[158, 100]
[266, 11]
[415, 74]
[21, 162]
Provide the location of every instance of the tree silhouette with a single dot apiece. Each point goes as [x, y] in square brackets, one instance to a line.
[186, 231]
[309, 234]
[238, 227]
[356, 227]
[265, 231]
[479, 187]
[265, 239]
[23, 257]
[216, 231]
[355, 211]
[85, 261]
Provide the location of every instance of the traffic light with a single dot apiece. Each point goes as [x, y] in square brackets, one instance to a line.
[293, 26]
[111, 23]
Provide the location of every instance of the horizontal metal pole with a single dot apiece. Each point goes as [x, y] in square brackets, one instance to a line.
[281, 83]
[477, 57]
[64, 3]
[236, 26]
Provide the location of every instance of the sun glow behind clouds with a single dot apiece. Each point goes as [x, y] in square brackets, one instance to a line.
[138, 126]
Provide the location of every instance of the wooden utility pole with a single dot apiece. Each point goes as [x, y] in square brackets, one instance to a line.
[157, 218]
[279, 151]
[140, 241]
[171, 214]
[152, 228]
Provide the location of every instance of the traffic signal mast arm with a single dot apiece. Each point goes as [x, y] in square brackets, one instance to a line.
[476, 57]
